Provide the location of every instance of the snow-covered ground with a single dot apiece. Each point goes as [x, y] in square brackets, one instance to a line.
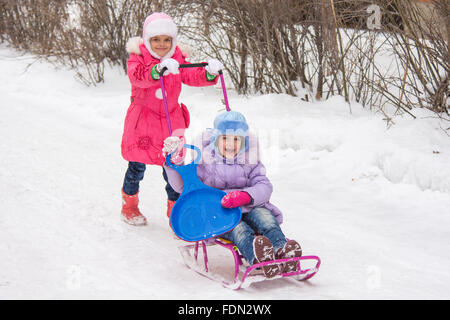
[372, 202]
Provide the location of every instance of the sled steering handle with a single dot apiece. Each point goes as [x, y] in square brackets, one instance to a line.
[186, 65]
[186, 146]
[189, 65]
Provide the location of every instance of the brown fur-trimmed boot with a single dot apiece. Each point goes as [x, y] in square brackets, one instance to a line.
[263, 250]
[290, 250]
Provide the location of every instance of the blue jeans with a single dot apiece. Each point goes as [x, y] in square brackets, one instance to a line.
[134, 175]
[261, 221]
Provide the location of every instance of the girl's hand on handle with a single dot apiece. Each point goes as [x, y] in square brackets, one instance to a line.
[174, 146]
[214, 66]
[235, 199]
[171, 144]
[171, 65]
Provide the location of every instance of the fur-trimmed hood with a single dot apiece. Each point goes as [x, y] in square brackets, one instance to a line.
[157, 24]
[133, 46]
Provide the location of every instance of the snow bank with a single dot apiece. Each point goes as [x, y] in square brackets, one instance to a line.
[350, 141]
[372, 202]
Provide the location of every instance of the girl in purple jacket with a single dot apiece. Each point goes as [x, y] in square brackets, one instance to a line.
[230, 162]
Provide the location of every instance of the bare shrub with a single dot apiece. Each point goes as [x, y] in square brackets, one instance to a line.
[101, 33]
[83, 34]
[32, 25]
[315, 49]
[423, 52]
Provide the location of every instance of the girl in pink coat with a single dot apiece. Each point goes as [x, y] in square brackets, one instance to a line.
[145, 124]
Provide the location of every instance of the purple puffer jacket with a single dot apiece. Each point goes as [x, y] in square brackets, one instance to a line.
[245, 173]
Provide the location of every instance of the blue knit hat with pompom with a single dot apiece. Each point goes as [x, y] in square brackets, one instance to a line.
[231, 123]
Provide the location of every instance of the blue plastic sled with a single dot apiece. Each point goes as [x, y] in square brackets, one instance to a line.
[197, 214]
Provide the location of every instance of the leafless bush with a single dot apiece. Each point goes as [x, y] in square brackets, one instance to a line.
[402, 65]
[83, 34]
[315, 49]
[423, 54]
[328, 47]
[257, 39]
[101, 31]
[32, 25]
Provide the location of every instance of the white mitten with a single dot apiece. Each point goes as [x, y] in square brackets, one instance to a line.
[171, 144]
[174, 147]
[171, 65]
[214, 66]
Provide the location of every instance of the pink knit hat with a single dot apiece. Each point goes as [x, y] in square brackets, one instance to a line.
[158, 24]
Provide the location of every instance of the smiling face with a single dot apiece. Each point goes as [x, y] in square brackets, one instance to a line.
[229, 145]
[161, 45]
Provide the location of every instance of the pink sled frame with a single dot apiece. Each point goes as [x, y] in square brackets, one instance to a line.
[300, 274]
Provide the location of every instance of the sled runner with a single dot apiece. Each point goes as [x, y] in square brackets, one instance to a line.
[244, 275]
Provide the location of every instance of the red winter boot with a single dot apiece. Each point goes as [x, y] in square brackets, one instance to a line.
[130, 210]
[170, 205]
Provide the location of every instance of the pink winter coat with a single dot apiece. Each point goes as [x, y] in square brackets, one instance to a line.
[145, 124]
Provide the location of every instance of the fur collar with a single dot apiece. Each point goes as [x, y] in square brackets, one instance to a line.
[133, 45]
